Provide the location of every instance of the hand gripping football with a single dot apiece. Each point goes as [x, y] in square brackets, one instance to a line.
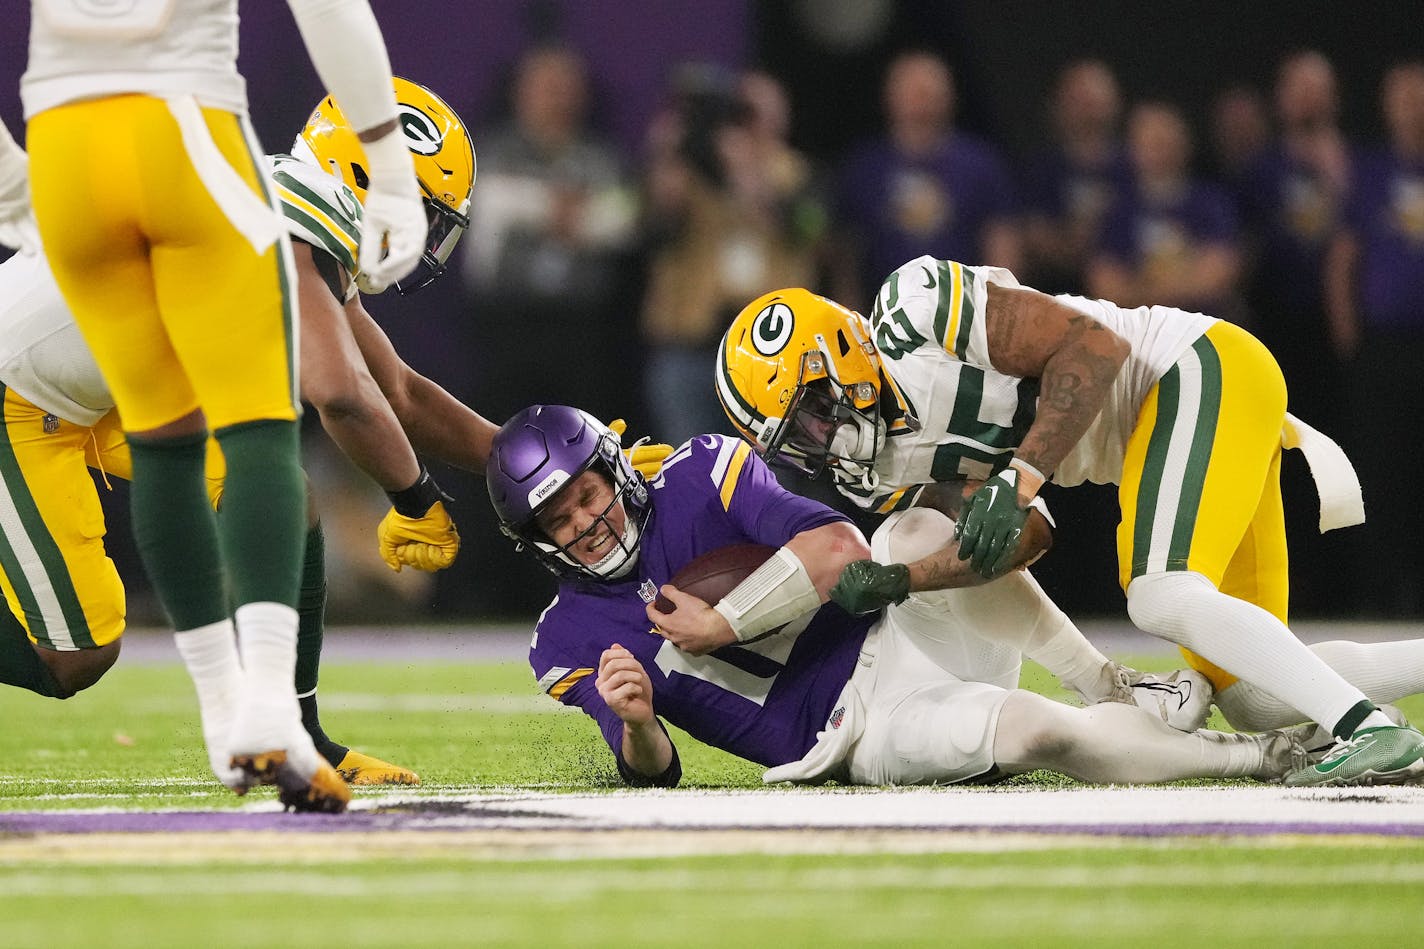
[713, 575]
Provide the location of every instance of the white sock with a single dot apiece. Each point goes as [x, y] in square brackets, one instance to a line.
[269, 717]
[210, 653]
[1245, 640]
[268, 637]
[1385, 672]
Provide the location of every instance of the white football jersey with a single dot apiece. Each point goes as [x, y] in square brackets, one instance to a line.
[45, 359]
[42, 355]
[958, 416]
[85, 50]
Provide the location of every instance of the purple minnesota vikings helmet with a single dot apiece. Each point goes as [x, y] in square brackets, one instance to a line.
[536, 453]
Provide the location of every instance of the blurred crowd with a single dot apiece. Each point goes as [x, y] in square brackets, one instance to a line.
[1268, 215]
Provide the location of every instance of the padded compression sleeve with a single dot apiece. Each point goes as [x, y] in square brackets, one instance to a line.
[349, 53]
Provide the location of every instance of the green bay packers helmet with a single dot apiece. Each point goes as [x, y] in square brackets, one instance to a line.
[799, 377]
[444, 166]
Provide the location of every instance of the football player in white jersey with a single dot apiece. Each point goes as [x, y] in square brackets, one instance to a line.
[963, 376]
[58, 418]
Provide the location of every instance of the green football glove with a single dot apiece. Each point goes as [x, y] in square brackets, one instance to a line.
[989, 526]
[866, 586]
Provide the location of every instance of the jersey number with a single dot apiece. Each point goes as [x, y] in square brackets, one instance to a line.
[732, 678]
[117, 19]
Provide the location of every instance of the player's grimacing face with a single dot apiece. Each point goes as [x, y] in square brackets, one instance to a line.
[584, 514]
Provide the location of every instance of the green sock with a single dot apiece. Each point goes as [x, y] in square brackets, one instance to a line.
[175, 530]
[311, 621]
[19, 663]
[311, 611]
[264, 511]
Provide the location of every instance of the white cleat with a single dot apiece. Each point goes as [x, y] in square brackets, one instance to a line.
[1182, 699]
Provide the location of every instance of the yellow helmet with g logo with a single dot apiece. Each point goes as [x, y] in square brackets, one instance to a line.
[799, 377]
[444, 165]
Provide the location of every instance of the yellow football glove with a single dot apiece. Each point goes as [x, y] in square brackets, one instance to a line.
[417, 532]
[645, 456]
[426, 543]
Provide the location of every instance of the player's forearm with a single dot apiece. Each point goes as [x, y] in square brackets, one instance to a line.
[646, 747]
[367, 431]
[1073, 388]
[943, 570]
[441, 426]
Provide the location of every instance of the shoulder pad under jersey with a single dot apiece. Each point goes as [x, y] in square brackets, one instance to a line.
[319, 208]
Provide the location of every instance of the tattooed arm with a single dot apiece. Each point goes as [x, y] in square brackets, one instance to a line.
[943, 570]
[1074, 357]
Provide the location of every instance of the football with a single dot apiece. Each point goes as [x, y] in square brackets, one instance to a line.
[712, 575]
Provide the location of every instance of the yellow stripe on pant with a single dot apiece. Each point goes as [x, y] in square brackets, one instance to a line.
[1201, 486]
[58, 581]
[179, 309]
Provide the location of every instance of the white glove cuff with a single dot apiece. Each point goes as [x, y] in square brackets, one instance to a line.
[775, 593]
[1028, 474]
[1039, 505]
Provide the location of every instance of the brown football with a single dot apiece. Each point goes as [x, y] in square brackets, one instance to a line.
[713, 575]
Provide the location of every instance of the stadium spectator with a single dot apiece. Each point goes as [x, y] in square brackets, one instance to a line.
[1291, 199]
[1070, 188]
[1292, 202]
[925, 693]
[926, 186]
[552, 224]
[1170, 238]
[732, 209]
[1239, 133]
[1375, 296]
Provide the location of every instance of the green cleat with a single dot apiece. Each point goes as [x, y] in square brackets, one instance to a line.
[1386, 754]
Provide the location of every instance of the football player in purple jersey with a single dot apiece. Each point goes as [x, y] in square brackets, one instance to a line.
[925, 691]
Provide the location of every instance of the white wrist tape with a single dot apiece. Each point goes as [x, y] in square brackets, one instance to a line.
[775, 593]
[388, 158]
[1029, 473]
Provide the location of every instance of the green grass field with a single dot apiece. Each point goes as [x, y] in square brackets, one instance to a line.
[132, 744]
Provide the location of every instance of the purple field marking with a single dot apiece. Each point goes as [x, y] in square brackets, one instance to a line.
[504, 817]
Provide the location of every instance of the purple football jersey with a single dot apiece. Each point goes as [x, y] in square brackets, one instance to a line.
[763, 701]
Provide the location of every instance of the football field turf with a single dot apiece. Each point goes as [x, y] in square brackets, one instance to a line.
[113, 834]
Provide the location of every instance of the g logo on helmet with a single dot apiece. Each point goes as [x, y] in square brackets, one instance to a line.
[422, 136]
[771, 330]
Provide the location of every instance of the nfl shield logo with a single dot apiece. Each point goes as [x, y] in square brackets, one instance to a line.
[648, 591]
